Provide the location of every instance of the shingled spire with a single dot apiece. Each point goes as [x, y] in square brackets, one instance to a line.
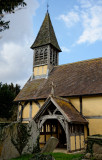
[46, 50]
[46, 35]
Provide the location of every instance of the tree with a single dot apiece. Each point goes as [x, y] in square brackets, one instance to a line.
[8, 6]
[7, 95]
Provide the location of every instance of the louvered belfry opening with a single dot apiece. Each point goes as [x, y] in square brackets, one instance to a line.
[45, 55]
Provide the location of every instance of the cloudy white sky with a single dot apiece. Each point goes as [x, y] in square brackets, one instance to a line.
[78, 28]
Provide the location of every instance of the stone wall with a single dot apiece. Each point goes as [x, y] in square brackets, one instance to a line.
[94, 147]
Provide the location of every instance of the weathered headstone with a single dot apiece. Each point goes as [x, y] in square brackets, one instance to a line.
[14, 143]
[8, 149]
[34, 133]
[50, 145]
[97, 148]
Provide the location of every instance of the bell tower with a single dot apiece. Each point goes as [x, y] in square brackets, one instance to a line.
[46, 50]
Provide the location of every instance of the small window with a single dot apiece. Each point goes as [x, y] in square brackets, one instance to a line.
[42, 129]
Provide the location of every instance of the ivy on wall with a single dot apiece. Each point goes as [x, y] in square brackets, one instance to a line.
[20, 139]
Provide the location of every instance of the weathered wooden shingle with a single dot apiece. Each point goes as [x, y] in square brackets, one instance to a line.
[46, 35]
[74, 79]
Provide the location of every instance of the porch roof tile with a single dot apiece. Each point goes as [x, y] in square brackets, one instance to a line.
[71, 112]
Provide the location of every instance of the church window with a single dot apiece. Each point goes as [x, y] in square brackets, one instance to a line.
[42, 129]
[54, 129]
[48, 128]
[76, 129]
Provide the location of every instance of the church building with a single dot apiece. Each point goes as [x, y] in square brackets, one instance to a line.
[64, 100]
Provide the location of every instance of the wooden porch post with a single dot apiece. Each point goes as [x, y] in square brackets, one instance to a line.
[67, 136]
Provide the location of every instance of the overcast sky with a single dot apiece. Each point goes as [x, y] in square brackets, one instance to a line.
[77, 25]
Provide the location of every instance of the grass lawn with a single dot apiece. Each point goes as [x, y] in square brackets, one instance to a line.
[63, 156]
[23, 157]
[57, 156]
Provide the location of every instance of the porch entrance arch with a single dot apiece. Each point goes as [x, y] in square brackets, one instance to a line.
[55, 128]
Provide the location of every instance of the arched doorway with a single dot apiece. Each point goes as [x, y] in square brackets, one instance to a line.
[52, 127]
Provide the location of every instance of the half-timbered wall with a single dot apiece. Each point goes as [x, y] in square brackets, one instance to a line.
[75, 101]
[91, 108]
[77, 136]
[27, 110]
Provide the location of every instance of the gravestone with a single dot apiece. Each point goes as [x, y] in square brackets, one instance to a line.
[50, 145]
[8, 149]
[11, 140]
[97, 148]
[34, 133]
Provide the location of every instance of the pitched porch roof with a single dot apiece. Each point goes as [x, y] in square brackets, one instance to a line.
[66, 108]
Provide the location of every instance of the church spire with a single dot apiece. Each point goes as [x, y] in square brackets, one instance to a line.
[46, 50]
[46, 35]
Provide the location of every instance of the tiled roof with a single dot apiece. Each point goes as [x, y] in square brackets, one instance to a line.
[30, 90]
[70, 111]
[74, 79]
[65, 107]
[46, 35]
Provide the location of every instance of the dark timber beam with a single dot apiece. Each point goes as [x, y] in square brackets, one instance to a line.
[20, 115]
[80, 104]
[37, 103]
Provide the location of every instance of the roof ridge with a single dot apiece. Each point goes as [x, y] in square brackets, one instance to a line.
[79, 62]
